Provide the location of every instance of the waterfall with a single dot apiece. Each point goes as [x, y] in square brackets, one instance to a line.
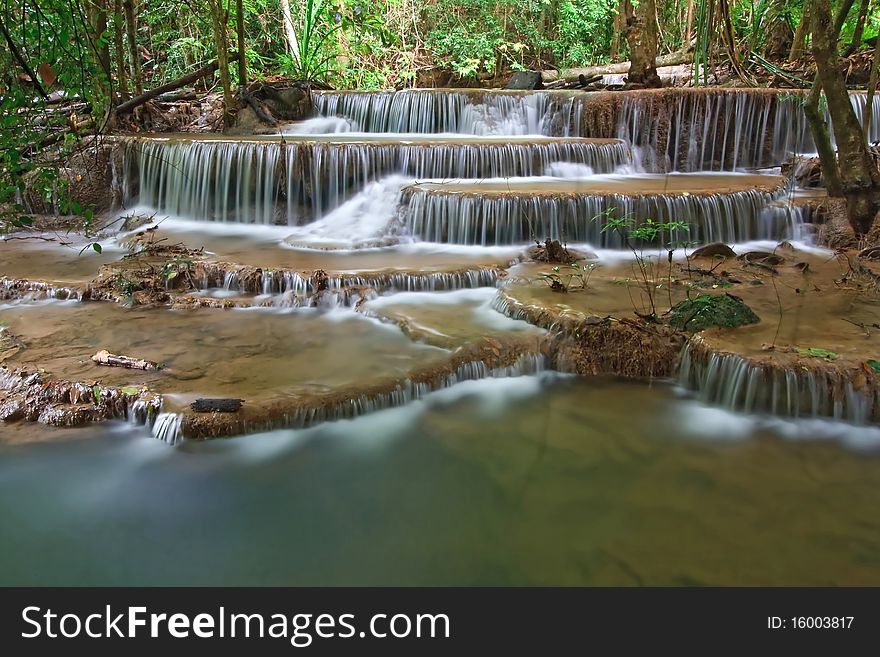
[472, 112]
[293, 180]
[287, 282]
[168, 428]
[720, 130]
[301, 412]
[738, 383]
[463, 212]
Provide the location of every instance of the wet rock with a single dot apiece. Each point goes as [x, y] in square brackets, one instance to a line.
[553, 251]
[87, 177]
[11, 410]
[763, 259]
[29, 396]
[216, 405]
[714, 250]
[319, 281]
[708, 311]
[525, 80]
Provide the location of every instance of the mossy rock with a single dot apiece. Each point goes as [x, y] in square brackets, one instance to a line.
[710, 311]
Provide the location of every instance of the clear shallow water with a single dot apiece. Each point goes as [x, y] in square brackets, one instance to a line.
[535, 480]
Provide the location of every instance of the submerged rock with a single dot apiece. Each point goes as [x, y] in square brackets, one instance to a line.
[715, 250]
[710, 311]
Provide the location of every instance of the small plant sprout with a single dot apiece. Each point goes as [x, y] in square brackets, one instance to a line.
[565, 278]
[636, 238]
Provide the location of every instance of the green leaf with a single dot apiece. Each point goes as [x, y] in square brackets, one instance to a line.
[96, 391]
[97, 247]
[873, 364]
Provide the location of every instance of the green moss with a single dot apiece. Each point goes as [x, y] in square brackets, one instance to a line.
[709, 310]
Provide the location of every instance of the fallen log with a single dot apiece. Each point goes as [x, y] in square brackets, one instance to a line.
[104, 357]
[672, 59]
[205, 71]
[55, 137]
[177, 96]
[218, 405]
[577, 82]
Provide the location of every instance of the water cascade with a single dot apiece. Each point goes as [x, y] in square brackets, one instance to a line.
[670, 129]
[252, 280]
[305, 411]
[295, 179]
[462, 111]
[755, 386]
[382, 172]
[522, 210]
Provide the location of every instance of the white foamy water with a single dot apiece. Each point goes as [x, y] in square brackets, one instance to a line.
[322, 125]
[383, 428]
[361, 220]
[699, 421]
[475, 302]
[569, 170]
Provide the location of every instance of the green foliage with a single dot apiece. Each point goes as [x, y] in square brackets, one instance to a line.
[55, 40]
[666, 236]
[816, 352]
[873, 364]
[710, 311]
[485, 37]
[564, 278]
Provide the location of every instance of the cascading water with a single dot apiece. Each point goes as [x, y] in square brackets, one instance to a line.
[716, 130]
[513, 212]
[740, 384]
[476, 168]
[440, 111]
[251, 181]
[684, 130]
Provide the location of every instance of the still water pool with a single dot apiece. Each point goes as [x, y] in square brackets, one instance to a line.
[527, 481]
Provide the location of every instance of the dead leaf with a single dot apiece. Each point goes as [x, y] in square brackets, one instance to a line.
[47, 74]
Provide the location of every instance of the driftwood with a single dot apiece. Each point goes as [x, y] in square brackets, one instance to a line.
[261, 113]
[672, 59]
[104, 357]
[218, 405]
[205, 71]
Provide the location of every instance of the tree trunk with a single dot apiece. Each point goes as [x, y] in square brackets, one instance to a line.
[860, 28]
[218, 21]
[242, 62]
[133, 54]
[290, 33]
[615, 34]
[797, 45]
[121, 76]
[641, 35]
[97, 13]
[859, 178]
[730, 38]
[689, 26]
[872, 89]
